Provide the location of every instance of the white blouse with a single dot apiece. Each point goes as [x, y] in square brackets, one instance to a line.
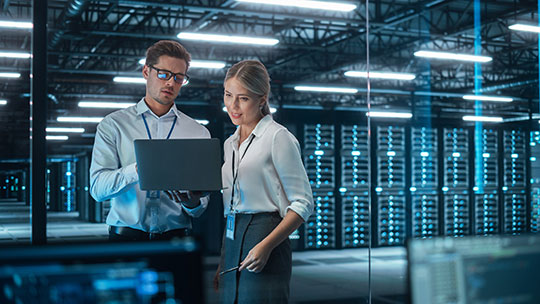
[271, 176]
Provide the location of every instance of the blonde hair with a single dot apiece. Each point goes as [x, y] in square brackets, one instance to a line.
[254, 77]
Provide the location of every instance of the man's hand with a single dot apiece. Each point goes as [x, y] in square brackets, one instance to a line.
[190, 199]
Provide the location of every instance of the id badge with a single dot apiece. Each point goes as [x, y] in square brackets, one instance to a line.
[152, 194]
[231, 217]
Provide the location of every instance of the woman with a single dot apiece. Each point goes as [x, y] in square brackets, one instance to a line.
[267, 194]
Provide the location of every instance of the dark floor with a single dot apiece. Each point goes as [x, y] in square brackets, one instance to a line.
[325, 276]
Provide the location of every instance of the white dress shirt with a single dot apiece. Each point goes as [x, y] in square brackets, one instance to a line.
[271, 176]
[113, 174]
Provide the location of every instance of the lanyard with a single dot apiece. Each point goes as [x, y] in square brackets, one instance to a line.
[148, 129]
[235, 175]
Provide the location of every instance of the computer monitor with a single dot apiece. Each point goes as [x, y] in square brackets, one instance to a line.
[481, 269]
[135, 272]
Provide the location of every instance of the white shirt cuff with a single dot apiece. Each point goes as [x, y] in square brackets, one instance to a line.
[301, 209]
[130, 173]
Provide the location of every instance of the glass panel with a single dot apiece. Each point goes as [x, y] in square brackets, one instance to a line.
[464, 164]
[92, 42]
[14, 132]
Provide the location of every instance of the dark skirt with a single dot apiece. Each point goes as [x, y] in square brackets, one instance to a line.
[271, 285]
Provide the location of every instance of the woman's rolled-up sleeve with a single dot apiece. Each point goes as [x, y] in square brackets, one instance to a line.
[287, 160]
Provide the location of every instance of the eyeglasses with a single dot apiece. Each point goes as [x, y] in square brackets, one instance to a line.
[166, 75]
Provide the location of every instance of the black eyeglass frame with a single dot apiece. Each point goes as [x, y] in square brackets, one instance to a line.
[185, 78]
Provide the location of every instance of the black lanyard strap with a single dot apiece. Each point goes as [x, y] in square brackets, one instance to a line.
[235, 174]
[148, 129]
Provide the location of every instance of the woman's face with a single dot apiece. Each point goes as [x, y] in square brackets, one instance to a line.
[243, 107]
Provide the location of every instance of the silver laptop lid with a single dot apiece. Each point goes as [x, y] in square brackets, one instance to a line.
[179, 164]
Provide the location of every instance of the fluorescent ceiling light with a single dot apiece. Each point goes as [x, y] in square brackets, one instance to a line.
[206, 64]
[482, 118]
[3, 102]
[228, 39]
[15, 55]
[16, 24]
[65, 130]
[322, 5]
[325, 89]
[381, 75]
[203, 122]
[272, 110]
[452, 56]
[525, 28]
[105, 105]
[79, 119]
[487, 98]
[10, 75]
[383, 114]
[56, 137]
[138, 80]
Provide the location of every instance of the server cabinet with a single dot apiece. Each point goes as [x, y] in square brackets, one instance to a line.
[354, 189]
[456, 209]
[319, 160]
[390, 185]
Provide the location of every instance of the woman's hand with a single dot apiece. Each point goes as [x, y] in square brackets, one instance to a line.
[190, 199]
[256, 258]
[215, 281]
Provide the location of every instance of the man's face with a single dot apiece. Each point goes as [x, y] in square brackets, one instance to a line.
[163, 91]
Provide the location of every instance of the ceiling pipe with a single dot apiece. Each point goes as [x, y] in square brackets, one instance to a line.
[73, 9]
[507, 85]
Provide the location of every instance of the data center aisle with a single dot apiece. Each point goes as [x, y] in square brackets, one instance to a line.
[339, 276]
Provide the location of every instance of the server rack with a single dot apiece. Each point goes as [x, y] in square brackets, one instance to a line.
[486, 198]
[319, 160]
[534, 159]
[390, 185]
[424, 184]
[514, 181]
[456, 208]
[354, 189]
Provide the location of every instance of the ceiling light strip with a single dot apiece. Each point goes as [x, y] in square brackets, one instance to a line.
[79, 119]
[15, 55]
[382, 114]
[325, 89]
[321, 5]
[487, 98]
[137, 80]
[16, 24]
[452, 56]
[56, 137]
[525, 28]
[64, 130]
[482, 118]
[105, 105]
[381, 75]
[227, 39]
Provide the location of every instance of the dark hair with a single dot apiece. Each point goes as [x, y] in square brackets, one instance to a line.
[167, 48]
[254, 77]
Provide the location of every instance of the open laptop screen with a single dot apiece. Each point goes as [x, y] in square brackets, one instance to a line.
[490, 269]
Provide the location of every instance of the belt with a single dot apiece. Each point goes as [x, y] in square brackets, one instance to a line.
[143, 235]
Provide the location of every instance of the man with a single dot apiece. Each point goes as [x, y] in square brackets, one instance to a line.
[137, 214]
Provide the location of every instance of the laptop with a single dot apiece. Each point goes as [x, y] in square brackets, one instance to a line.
[179, 164]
